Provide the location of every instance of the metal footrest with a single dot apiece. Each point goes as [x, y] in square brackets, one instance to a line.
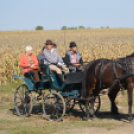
[71, 93]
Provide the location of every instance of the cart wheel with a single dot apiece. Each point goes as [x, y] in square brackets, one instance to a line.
[97, 105]
[70, 103]
[23, 100]
[54, 107]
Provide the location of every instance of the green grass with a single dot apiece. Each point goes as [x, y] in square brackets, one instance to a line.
[9, 88]
[6, 106]
[27, 127]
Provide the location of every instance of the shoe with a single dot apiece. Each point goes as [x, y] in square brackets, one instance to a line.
[38, 85]
[60, 76]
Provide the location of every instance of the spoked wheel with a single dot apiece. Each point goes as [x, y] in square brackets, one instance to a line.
[97, 105]
[70, 103]
[23, 100]
[54, 107]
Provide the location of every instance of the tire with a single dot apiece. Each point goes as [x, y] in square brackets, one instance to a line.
[97, 105]
[23, 100]
[54, 107]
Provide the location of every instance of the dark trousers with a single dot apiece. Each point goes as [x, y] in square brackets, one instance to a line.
[35, 74]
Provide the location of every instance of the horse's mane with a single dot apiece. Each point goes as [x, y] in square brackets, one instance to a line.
[109, 60]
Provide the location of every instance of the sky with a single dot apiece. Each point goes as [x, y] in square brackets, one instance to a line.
[53, 14]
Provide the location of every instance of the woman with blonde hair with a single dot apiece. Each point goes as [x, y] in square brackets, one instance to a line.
[29, 63]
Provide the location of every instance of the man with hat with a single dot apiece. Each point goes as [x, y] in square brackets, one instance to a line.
[53, 60]
[73, 58]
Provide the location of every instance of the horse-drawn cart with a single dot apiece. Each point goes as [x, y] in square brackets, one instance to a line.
[61, 97]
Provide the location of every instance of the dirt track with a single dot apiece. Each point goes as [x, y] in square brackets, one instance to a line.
[126, 129]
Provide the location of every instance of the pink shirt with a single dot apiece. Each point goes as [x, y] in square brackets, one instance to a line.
[73, 57]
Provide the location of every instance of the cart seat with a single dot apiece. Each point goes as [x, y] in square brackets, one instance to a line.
[74, 77]
[28, 76]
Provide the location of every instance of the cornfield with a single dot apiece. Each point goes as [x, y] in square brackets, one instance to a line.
[92, 44]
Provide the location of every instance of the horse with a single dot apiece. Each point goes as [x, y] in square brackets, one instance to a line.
[101, 74]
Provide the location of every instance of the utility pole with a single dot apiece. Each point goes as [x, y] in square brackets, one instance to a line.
[64, 33]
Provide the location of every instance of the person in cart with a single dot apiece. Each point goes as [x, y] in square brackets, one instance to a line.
[41, 57]
[74, 58]
[29, 63]
[54, 61]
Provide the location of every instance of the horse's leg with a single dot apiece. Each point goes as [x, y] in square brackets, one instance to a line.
[130, 101]
[95, 93]
[91, 108]
[91, 101]
[87, 111]
[112, 96]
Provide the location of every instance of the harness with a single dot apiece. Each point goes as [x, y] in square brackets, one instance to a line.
[117, 78]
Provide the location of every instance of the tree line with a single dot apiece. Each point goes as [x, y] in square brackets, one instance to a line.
[69, 28]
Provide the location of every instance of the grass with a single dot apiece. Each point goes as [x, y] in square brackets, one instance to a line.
[26, 127]
[9, 88]
[6, 106]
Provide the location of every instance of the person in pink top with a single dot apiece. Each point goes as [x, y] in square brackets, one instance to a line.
[74, 58]
[28, 61]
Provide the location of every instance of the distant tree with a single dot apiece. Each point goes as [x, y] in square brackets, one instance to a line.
[102, 27]
[64, 28]
[107, 27]
[81, 27]
[39, 28]
[88, 27]
[72, 28]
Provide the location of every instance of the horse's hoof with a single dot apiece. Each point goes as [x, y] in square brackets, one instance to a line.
[95, 119]
[132, 121]
[89, 120]
[130, 118]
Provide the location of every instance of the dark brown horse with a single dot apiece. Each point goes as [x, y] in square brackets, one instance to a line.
[102, 73]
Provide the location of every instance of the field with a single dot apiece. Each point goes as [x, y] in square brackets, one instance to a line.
[92, 44]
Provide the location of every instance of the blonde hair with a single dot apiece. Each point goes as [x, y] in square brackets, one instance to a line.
[28, 48]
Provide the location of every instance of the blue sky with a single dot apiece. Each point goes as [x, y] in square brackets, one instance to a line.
[53, 14]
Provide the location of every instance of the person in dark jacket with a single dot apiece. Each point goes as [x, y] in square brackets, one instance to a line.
[73, 58]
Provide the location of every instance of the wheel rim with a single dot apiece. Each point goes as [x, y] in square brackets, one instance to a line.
[54, 107]
[97, 104]
[23, 101]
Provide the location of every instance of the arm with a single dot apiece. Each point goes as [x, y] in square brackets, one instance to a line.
[67, 59]
[81, 61]
[35, 61]
[59, 58]
[22, 62]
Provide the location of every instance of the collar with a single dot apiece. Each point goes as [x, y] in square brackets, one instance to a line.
[48, 50]
[73, 53]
